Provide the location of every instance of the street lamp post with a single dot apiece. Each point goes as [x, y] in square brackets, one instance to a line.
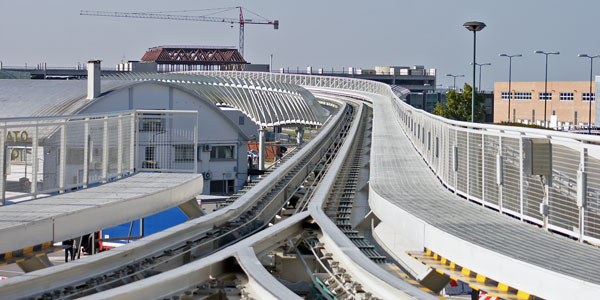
[546, 79]
[509, 77]
[481, 65]
[590, 95]
[454, 77]
[474, 27]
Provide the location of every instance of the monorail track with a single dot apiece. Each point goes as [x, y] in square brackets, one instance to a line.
[216, 232]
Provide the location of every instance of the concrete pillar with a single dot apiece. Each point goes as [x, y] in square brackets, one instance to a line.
[93, 80]
[299, 135]
[261, 148]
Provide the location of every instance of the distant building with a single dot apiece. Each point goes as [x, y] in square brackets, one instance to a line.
[194, 58]
[222, 145]
[428, 101]
[415, 78]
[567, 103]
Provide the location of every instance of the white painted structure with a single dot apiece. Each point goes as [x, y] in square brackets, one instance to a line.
[29, 98]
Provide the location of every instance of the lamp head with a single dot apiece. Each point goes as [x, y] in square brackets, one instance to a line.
[502, 54]
[474, 26]
[539, 52]
[583, 55]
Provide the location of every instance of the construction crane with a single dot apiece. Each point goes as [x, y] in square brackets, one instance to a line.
[205, 18]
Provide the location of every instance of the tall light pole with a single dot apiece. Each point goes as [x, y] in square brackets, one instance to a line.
[590, 95]
[454, 77]
[474, 27]
[546, 79]
[509, 77]
[481, 65]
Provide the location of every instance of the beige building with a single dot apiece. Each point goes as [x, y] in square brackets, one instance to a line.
[567, 103]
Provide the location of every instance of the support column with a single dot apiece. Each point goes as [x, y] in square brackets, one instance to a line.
[299, 136]
[261, 148]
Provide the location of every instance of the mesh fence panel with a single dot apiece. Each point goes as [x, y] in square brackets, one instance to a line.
[450, 153]
[96, 146]
[491, 150]
[462, 161]
[75, 139]
[564, 212]
[511, 198]
[592, 213]
[475, 163]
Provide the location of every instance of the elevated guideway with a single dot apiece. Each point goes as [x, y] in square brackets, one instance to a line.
[421, 169]
[418, 212]
[66, 216]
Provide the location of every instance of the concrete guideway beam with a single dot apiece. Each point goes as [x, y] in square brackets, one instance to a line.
[409, 223]
[191, 274]
[78, 213]
[71, 274]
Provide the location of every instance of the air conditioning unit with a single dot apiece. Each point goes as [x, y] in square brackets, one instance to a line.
[207, 148]
[206, 175]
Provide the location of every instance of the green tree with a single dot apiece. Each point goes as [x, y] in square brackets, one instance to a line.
[458, 105]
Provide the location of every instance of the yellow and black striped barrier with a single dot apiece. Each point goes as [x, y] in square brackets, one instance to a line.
[475, 280]
[393, 269]
[21, 255]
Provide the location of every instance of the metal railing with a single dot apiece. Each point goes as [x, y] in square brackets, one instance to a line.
[47, 155]
[167, 141]
[485, 163]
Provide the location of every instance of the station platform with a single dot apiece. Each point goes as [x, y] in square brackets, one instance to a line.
[65, 216]
[418, 213]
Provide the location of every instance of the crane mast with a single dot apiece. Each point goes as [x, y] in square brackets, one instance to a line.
[241, 21]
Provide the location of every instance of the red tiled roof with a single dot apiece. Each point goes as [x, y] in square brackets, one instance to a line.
[193, 56]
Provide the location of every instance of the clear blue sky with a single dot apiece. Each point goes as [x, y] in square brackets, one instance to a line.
[323, 34]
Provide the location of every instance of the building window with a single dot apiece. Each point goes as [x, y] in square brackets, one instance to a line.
[505, 95]
[522, 96]
[566, 96]
[575, 119]
[149, 153]
[586, 97]
[150, 123]
[241, 120]
[533, 116]
[545, 96]
[222, 152]
[184, 152]
[514, 115]
[222, 187]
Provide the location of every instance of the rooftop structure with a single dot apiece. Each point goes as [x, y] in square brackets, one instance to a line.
[191, 58]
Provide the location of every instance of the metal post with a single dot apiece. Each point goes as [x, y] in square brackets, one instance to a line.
[501, 185]
[474, 89]
[34, 160]
[137, 141]
[196, 144]
[261, 148]
[105, 151]
[509, 83]
[545, 90]
[132, 144]
[590, 104]
[482, 166]
[468, 167]
[521, 180]
[86, 152]
[120, 149]
[582, 188]
[3, 165]
[63, 158]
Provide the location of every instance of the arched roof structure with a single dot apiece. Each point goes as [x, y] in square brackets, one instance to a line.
[267, 103]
